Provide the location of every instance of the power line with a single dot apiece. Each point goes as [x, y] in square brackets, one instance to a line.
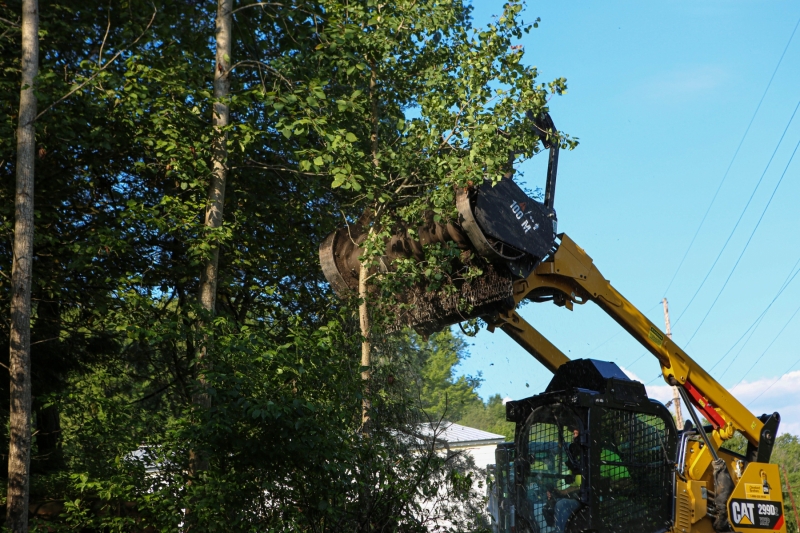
[770, 344]
[774, 190]
[786, 283]
[774, 382]
[789, 278]
[793, 272]
[728, 240]
[742, 347]
[652, 380]
[613, 336]
[602, 344]
[746, 131]
[637, 359]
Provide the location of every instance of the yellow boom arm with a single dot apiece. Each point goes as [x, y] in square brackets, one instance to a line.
[573, 278]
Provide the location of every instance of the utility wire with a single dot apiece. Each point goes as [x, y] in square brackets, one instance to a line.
[793, 272]
[770, 345]
[652, 380]
[774, 382]
[615, 334]
[602, 343]
[724, 177]
[774, 190]
[728, 240]
[637, 360]
[789, 278]
[645, 353]
[742, 347]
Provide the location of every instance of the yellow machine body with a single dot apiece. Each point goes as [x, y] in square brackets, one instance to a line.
[756, 503]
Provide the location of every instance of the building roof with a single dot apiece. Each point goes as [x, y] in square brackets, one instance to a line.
[458, 435]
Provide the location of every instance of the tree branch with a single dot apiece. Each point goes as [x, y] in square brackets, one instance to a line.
[101, 69]
[260, 64]
[455, 126]
[103, 44]
[257, 4]
[45, 340]
[10, 23]
[159, 391]
[282, 169]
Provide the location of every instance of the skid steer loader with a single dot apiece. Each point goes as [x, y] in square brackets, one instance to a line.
[593, 433]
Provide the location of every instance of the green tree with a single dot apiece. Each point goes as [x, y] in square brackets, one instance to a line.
[786, 454]
[442, 393]
[320, 92]
[490, 416]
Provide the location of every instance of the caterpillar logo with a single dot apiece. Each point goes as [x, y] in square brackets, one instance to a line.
[742, 513]
[750, 514]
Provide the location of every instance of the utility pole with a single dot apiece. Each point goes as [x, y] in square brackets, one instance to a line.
[791, 498]
[676, 397]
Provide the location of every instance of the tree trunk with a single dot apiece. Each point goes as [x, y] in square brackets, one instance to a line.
[215, 201]
[363, 274]
[19, 453]
[363, 315]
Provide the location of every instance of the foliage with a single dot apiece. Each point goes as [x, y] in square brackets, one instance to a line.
[489, 416]
[738, 444]
[786, 453]
[442, 394]
[336, 108]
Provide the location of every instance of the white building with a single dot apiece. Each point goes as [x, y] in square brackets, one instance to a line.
[478, 444]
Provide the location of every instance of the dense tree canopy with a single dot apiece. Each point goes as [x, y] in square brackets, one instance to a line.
[443, 394]
[336, 107]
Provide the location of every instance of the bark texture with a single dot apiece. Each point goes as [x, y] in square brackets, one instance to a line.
[19, 453]
[363, 273]
[363, 315]
[216, 197]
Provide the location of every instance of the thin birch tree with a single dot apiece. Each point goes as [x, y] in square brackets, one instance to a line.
[216, 198]
[19, 453]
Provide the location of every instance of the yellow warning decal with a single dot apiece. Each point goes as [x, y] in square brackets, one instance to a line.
[755, 491]
[656, 336]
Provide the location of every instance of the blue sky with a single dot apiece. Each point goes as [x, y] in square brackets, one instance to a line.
[660, 96]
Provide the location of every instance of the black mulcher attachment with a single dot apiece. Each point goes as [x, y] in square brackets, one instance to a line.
[509, 230]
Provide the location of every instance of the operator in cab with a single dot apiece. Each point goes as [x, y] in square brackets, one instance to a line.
[561, 503]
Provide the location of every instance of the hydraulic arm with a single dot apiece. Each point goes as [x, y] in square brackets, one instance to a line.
[570, 277]
[714, 488]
